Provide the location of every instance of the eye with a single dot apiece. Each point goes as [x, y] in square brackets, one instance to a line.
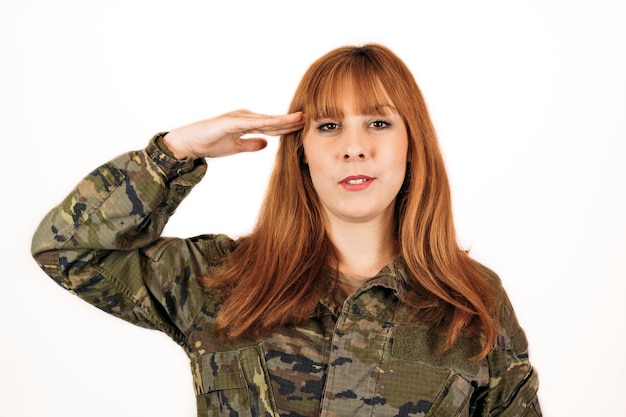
[327, 126]
[380, 124]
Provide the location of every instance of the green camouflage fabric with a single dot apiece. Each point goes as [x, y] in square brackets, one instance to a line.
[361, 356]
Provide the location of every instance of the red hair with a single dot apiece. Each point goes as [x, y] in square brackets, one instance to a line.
[276, 274]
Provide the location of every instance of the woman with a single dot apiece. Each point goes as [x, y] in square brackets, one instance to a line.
[350, 297]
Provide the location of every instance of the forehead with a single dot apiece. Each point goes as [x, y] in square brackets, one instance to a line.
[357, 93]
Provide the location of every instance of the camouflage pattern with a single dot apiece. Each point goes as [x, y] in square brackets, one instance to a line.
[361, 356]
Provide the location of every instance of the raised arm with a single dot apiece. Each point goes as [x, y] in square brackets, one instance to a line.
[103, 240]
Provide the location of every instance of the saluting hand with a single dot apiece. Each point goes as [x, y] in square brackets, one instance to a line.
[222, 135]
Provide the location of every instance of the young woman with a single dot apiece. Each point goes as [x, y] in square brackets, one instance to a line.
[350, 297]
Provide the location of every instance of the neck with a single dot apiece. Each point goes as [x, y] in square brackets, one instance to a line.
[363, 248]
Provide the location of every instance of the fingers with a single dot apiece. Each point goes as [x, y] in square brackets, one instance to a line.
[250, 145]
[227, 134]
[279, 130]
[231, 147]
[246, 122]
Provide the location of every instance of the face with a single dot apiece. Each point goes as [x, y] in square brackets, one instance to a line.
[357, 163]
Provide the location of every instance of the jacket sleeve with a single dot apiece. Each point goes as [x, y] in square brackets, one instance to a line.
[103, 241]
[513, 382]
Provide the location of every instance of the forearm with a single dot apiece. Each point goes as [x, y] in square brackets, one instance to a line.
[122, 205]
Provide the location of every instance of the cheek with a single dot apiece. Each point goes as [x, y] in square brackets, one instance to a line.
[316, 158]
[403, 148]
[398, 154]
[398, 158]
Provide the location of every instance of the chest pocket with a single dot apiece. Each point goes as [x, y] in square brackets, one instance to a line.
[422, 383]
[233, 383]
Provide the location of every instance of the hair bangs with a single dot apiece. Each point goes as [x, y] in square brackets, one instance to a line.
[353, 85]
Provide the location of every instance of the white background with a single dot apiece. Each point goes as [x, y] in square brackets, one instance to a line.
[528, 97]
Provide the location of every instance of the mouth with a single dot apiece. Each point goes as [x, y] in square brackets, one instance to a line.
[356, 182]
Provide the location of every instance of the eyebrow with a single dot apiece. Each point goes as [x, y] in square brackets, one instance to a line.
[378, 107]
[371, 110]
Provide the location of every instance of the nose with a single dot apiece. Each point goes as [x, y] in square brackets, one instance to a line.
[354, 145]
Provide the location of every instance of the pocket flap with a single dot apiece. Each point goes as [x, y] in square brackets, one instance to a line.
[217, 371]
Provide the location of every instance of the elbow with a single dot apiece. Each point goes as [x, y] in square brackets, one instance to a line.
[51, 263]
[71, 267]
[68, 265]
[67, 268]
[54, 262]
[45, 254]
[46, 250]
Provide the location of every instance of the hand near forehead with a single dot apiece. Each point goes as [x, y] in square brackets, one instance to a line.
[222, 135]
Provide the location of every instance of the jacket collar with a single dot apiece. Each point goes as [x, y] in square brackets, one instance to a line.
[387, 283]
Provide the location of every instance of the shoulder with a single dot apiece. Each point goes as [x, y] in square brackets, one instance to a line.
[513, 381]
[511, 334]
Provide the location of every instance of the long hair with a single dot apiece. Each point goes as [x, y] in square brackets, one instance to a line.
[276, 275]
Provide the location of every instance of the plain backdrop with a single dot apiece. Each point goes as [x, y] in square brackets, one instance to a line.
[528, 97]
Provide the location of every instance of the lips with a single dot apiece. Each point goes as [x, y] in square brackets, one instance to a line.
[356, 182]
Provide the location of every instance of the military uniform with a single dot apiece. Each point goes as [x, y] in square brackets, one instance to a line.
[360, 356]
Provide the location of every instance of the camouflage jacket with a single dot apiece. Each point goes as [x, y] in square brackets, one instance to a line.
[361, 356]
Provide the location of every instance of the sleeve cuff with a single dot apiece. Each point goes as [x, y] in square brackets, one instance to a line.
[165, 159]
